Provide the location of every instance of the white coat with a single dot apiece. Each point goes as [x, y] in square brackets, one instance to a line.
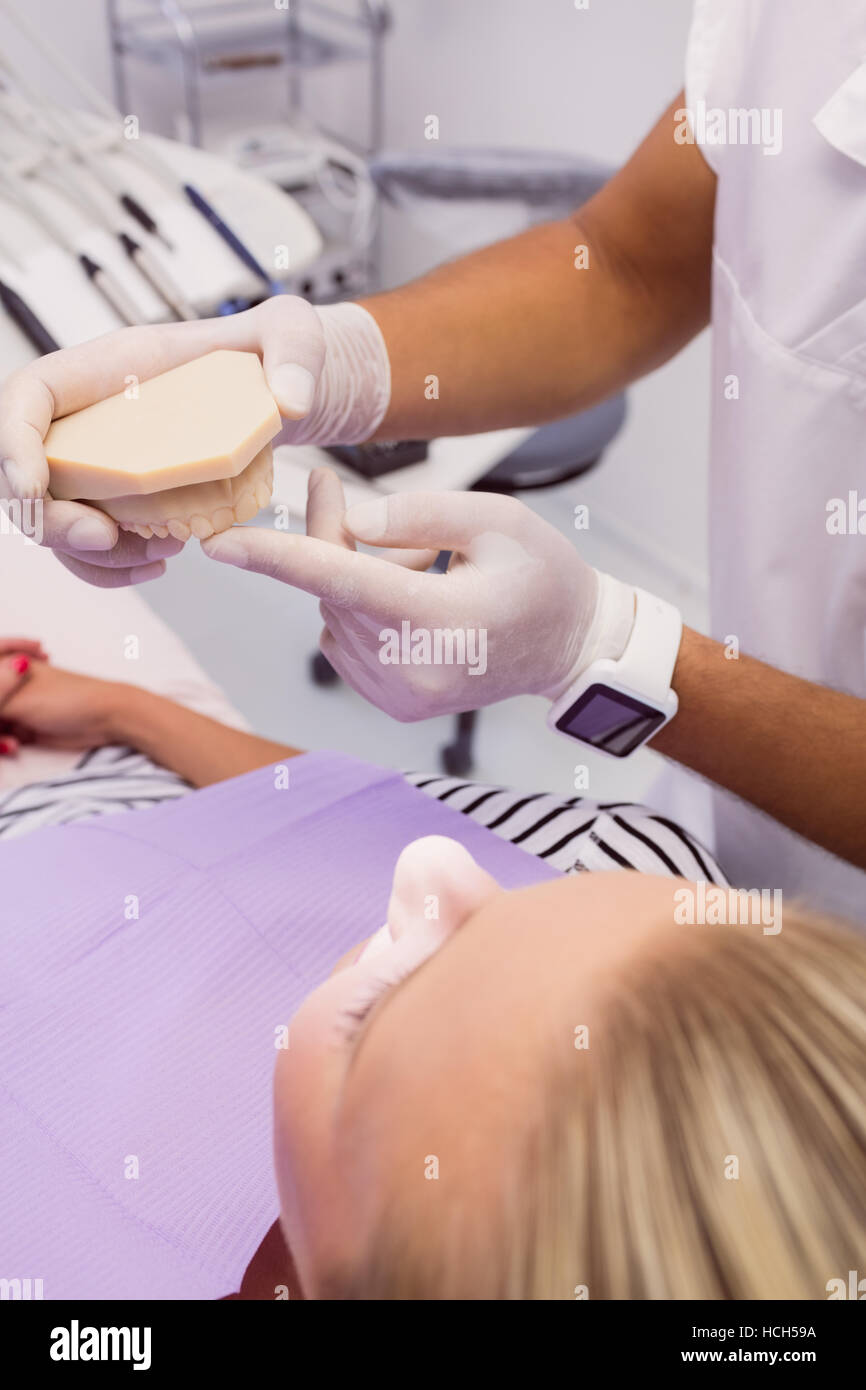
[788, 452]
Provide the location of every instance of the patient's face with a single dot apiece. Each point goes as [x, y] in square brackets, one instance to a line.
[416, 1064]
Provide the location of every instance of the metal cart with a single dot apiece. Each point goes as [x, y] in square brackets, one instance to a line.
[204, 39]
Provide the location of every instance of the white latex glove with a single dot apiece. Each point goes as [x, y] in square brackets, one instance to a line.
[545, 614]
[327, 369]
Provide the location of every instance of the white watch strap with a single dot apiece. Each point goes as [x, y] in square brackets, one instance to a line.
[647, 664]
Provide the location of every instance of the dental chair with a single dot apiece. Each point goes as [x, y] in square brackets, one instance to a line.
[474, 197]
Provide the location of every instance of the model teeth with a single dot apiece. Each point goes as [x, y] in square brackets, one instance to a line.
[200, 527]
[250, 491]
[247, 507]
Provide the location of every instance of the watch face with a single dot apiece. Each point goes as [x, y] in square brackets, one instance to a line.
[610, 720]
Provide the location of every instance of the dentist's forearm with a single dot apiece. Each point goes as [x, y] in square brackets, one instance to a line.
[516, 334]
[794, 749]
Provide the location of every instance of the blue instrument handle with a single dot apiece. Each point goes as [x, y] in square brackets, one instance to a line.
[201, 204]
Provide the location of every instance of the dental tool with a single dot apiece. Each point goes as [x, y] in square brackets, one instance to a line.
[110, 288]
[145, 153]
[160, 280]
[145, 262]
[142, 258]
[23, 316]
[103, 281]
[23, 105]
[231, 239]
[19, 310]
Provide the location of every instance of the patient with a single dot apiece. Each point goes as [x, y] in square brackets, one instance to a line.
[558, 1093]
[171, 748]
[548, 1093]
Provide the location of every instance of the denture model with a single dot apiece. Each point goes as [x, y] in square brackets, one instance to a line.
[185, 453]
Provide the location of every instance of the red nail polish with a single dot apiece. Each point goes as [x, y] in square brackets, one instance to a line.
[21, 664]
[6, 748]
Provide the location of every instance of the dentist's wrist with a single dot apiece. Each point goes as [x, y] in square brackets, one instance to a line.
[354, 389]
[607, 633]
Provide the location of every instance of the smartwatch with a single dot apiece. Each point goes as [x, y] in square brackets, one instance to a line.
[616, 706]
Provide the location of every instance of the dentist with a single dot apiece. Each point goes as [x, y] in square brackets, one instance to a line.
[763, 240]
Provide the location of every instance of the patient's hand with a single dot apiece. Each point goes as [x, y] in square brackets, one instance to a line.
[58, 709]
[17, 655]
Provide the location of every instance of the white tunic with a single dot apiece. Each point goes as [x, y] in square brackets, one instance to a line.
[788, 373]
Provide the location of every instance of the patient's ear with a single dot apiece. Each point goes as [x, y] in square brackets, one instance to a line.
[437, 886]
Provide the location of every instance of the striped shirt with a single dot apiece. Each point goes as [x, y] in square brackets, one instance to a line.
[105, 780]
[574, 836]
[579, 835]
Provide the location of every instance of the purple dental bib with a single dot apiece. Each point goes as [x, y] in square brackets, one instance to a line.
[147, 961]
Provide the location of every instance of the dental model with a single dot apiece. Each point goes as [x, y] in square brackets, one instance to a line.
[187, 453]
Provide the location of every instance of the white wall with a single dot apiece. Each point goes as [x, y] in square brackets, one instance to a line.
[535, 72]
[76, 27]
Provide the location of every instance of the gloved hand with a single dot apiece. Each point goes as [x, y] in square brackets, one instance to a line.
[327, 368]
[530, 611]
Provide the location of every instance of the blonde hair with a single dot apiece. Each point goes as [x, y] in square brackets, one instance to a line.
[710, 1145]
